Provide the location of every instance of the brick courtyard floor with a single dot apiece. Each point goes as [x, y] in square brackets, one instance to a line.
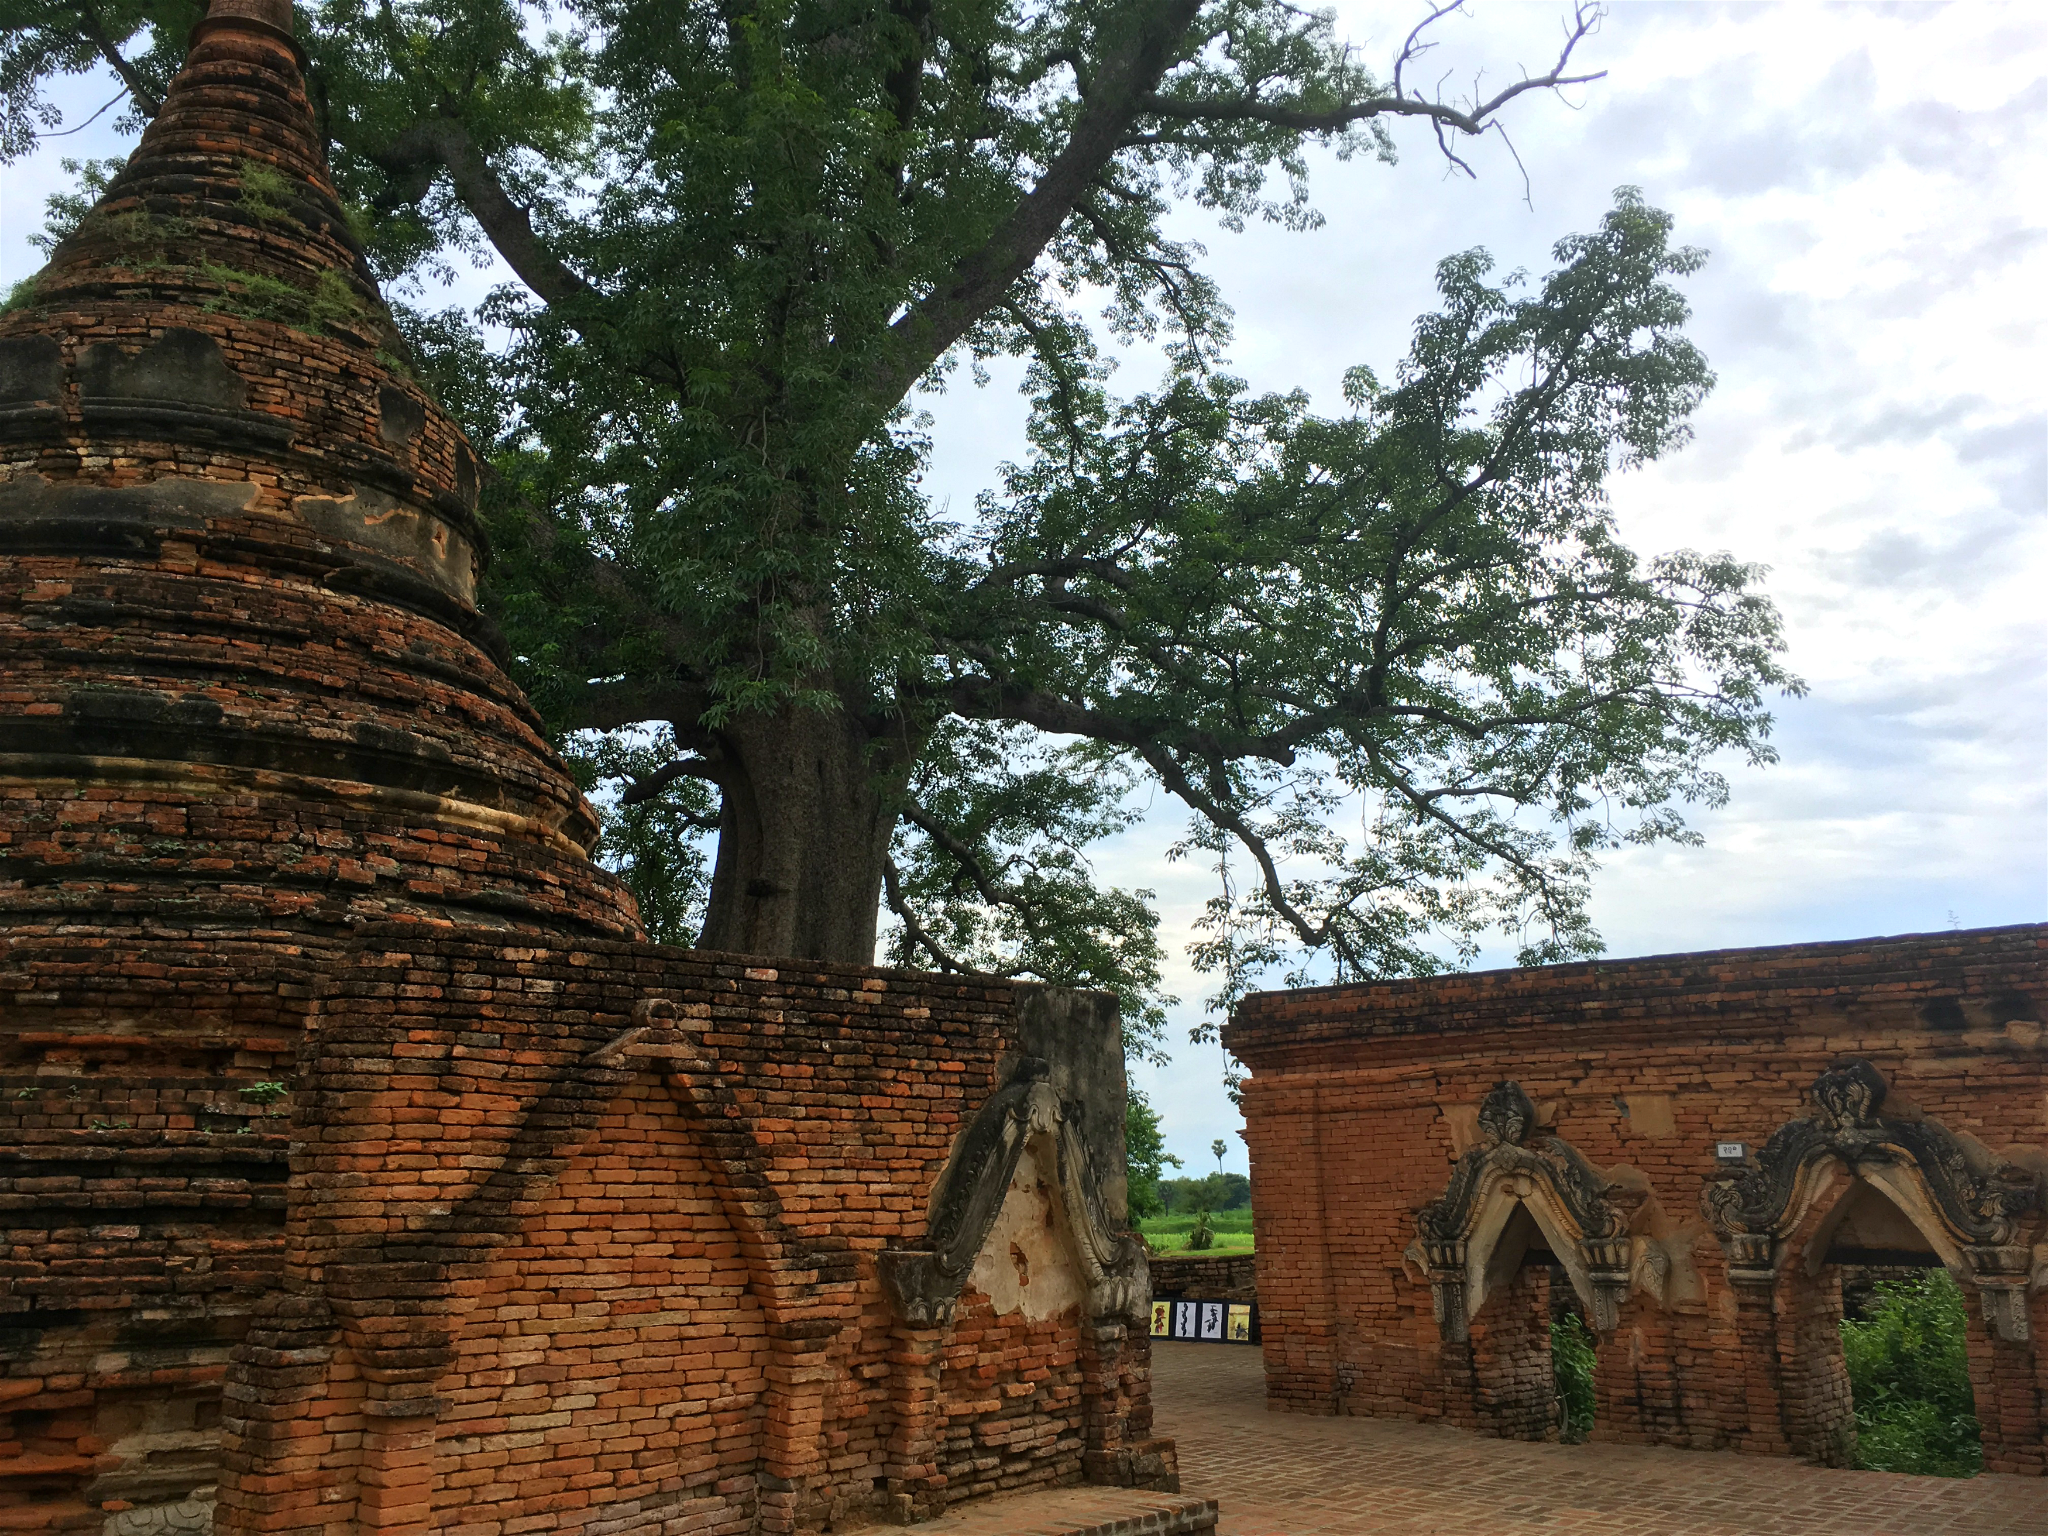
[1284, 1474]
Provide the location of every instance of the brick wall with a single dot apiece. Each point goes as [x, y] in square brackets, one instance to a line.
[1363, 1099]
[529, 1284]
[1219, 1277]
[616, 1334]
[473, 1274]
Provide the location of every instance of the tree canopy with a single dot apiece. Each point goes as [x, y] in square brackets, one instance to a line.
[743, 235]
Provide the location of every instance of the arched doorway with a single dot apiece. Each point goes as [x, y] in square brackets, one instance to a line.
[1525, 1289]
[1846, 1187]
[1522, 1214]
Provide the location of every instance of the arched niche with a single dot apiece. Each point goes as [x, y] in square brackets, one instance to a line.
[1976, 1213]
[1501, 1192]
[1023, 1118]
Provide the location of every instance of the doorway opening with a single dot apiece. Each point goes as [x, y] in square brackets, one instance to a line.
[1905, 1343]
[1515, 1334]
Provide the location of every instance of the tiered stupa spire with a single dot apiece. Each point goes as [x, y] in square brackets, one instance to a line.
[238, 562]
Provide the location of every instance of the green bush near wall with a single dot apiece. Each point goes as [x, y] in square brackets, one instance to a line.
[1571, 1362]
[1910, 1373]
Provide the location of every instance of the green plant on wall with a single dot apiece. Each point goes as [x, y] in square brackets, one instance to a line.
[1571, 1362]
[1909, 1370]
[265, 191]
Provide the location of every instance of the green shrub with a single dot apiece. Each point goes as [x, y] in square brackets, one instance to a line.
[1910, 1373]
[1204, 1235]
[1571, 1363]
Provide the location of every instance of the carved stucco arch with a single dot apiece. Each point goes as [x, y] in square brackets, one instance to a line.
[1563, 1193]
[1976, 1212]
[924, 1283]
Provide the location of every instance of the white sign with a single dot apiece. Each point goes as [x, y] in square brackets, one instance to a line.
[1731, 1151]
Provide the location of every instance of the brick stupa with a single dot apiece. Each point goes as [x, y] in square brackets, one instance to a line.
[247, 682]
[361, 1167]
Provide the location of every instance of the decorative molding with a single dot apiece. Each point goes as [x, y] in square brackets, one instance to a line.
[1567, 1195]
[924, 1283]
[1979, 1210]
[191, 1513]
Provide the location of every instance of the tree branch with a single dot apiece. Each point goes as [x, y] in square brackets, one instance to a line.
[655, 784]
[611, 706]
[892, 892]
[1118, 90]
[979, 698]
[1470, 120]
[969, 861]
[1225, 817]
[96, 34]
[446, 142]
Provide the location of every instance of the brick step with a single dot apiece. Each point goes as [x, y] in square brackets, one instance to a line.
[1087, 1511]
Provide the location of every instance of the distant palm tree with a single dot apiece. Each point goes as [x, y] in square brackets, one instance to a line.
[1219, 1149]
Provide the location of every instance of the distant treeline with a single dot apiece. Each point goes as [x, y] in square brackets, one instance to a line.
[1213, 1192]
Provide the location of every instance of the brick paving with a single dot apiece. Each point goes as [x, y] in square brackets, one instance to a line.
[1283, 1474]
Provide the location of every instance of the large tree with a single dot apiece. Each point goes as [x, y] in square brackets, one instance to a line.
[746, 234]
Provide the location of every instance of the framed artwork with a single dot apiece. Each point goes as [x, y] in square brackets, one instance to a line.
[1207, 1322]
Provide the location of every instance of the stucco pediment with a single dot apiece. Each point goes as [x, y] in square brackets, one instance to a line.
[1978, 1213]
[1025, 1117]
[1585, 1217]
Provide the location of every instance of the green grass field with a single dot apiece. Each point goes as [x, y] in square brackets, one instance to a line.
[1169, 1234]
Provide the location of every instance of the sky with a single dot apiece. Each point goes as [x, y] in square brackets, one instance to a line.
[1873, 308]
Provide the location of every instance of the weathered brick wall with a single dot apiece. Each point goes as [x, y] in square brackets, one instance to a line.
[1011, 1398]
[1214, 1277]
[1512, 1393]
[527, 1279]
[1362, 1099]
[494, 1281]
[143, 1167]
[617, 1334]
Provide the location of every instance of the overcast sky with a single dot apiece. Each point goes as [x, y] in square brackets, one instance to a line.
[1873, 308]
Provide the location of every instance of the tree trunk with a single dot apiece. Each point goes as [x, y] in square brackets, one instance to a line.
[809, 807]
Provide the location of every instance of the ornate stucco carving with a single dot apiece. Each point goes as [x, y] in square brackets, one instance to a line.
[1565, 1194]
[192, 1513]
[924, 1283]
[1974, 1211]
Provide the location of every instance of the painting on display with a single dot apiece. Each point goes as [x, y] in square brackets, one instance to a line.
[1211, 1322]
